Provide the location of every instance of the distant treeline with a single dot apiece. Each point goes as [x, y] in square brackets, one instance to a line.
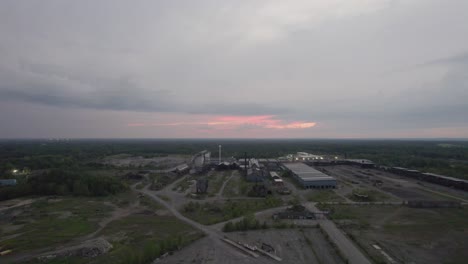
[63, 182]
[444, 157]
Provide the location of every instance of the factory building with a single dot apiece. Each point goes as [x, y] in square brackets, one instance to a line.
[304, 156]
[200, 161]
[309, 177]
[432, 177]
[270, 164]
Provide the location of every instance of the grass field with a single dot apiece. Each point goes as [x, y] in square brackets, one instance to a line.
[237, 186]
[139, 238]
[131, 235]
[372, 195]
[49, 223]
[215, 212]
[215, 181]
[323, 196]
[438, 235]
[161, 180]
[183, 185]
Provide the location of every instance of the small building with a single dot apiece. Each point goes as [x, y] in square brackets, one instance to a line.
[278, 182]
[182, 168]
[226, 165]
[8, 182]
[249, 163]
[309, 177]
[202, 186]
[252, 170]
[256, 175]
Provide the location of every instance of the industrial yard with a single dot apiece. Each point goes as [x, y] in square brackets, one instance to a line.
[203, 209]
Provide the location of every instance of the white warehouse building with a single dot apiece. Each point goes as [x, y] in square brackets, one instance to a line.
[309, 177]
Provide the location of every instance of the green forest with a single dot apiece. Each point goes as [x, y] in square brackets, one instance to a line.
[63, 182]
[446, 157]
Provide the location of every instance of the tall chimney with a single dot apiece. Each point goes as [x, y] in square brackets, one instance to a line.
[219, 153]
[245, 163]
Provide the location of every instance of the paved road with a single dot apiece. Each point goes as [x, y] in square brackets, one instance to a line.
[346, 246]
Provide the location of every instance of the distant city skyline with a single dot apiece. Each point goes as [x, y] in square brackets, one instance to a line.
[234, 69]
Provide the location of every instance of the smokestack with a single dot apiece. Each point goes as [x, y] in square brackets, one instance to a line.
[245, 163]
[219, 153]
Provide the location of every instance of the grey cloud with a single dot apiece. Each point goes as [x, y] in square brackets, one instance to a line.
[129, 101]
[457, 59]
[79, 90]
[300, 60]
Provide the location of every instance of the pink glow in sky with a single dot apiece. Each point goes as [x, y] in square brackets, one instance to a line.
[235, 122]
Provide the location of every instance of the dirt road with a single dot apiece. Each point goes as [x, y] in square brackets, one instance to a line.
[235, 256]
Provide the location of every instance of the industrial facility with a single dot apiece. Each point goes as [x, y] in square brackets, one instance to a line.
[300, 156]
[431, 177]
[200, 161]
[309, 177]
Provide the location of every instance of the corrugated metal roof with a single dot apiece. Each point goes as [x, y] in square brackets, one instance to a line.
[307, 173]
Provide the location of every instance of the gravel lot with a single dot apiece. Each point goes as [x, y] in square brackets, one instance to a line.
[292, 245]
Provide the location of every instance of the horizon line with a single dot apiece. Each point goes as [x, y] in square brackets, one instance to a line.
[232, 138]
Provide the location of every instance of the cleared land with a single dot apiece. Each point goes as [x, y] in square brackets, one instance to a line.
[392, 187]
[299, 246]
[306, 245]
[215, 212]
[323, 196]
[139, 229]
[237, 186]
[135, 226]
[49, 222]
[406, 234]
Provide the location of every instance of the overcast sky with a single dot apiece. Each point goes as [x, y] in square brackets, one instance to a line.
[198, 69]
